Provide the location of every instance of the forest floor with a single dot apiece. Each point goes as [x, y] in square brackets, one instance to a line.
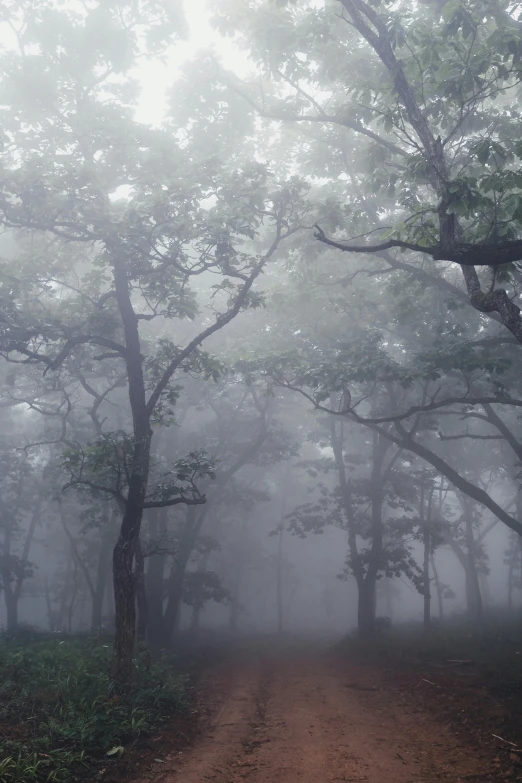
[309, 714]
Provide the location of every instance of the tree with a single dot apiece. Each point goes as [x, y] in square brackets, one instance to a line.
[68, 150]
[417, 138]
[431, 99]
[370, 499]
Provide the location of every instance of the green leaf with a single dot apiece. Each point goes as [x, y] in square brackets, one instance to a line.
[117, 751]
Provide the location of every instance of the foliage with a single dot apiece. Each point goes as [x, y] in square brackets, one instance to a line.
[105, 466]
[202, 586]
[56, 712]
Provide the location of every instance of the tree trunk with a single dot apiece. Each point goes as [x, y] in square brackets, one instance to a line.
[196, 609]
[473, 594]
[438, 587]
[484, 588]
[279, 580]
[366, 608]
[11, 605]
[388, 597]
[155, 586]
[7, 580]
[49, 607]
[141, 600]
[110, 608]
[13, 587]
[125, 610]
[511, 570]
[368, 586]
[102, 568]
[233, 618]
[190, 532]
[67, 588]
[426, 586]
[125, 549]
[74, 593]
[81, 612]
[123, 561]
[175, 594]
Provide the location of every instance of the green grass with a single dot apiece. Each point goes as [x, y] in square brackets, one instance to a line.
[56, 717]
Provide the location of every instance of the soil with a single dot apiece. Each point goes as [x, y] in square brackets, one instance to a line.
[313, 716]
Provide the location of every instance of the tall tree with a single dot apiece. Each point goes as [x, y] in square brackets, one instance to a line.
[101, 268]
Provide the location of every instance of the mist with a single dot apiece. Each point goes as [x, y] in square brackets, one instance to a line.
[260, 395]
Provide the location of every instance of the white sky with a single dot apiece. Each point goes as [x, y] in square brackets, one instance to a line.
[157, 77]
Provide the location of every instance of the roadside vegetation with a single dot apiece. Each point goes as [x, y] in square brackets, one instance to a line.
[58, 720]
[461, 671]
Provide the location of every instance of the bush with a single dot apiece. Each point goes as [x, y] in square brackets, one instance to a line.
[56, 714]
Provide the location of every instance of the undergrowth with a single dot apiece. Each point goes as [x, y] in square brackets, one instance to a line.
[57, 719]
[493, 648]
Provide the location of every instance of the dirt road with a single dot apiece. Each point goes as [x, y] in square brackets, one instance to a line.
[311, 718]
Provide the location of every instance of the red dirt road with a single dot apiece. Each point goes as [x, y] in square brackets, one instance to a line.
[311, 718]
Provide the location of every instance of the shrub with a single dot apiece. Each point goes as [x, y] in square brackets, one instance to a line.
[56, 714]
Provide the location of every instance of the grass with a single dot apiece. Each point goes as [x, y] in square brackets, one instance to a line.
[494, 648]
[56, 717]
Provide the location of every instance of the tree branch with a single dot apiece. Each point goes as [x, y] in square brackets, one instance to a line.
[321, 117]
[175, 501]
[221, 321]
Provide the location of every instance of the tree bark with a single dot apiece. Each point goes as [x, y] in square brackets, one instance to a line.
[124, 554]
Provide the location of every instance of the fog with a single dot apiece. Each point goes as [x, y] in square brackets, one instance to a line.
[259, 348]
